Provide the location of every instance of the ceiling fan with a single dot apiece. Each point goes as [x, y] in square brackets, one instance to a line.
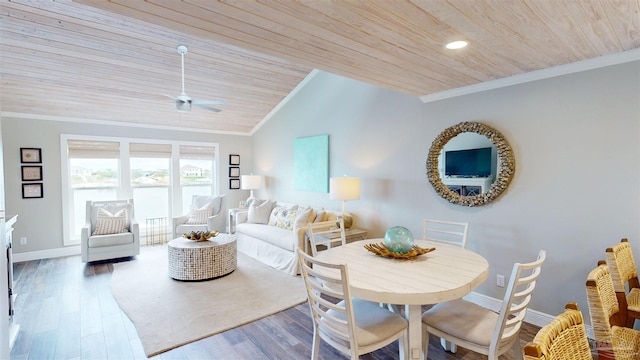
[184, 102]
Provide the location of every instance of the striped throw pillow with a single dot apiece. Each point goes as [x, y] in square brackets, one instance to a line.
[108, 223]
[198, 216]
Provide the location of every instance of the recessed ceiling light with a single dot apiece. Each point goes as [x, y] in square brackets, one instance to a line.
[457, 45]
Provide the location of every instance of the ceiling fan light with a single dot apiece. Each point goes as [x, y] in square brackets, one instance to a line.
[183, 106]
[454, 45]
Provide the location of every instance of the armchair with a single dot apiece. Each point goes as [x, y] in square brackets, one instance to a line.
[203, 216]
[110, 231]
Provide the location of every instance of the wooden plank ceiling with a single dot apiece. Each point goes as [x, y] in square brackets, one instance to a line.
[94, 60]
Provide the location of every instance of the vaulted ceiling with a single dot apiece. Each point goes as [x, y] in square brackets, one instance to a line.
[116, 61]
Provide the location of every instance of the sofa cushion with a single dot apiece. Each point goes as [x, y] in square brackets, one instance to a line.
[285, 239]
[259, 213]
[110, 223]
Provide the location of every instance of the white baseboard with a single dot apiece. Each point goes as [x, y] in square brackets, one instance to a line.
[534, 317]
[46, 254]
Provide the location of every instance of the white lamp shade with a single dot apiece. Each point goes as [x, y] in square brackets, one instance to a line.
[251, 182]
[344, 188]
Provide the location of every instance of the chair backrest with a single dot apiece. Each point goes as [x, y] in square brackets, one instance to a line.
[604, 309]
[212, 202]
[326, 233]
[328, 291]
[516, 300]
[112, 206]
[564, 338]
[622, 266]
[451, 232]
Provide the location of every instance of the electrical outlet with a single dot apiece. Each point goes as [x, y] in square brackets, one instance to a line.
[500, 280]
[23, 241]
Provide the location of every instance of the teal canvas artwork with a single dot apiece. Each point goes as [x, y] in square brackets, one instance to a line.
[311, 163]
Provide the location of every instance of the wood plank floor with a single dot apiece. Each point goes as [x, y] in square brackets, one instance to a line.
[65, 311]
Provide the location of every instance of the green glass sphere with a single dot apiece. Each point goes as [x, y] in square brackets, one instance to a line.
[398, 239]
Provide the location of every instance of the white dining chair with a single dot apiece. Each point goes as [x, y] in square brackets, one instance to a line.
[482, 330]
[352, 326]
[450, 232]
[326, 234]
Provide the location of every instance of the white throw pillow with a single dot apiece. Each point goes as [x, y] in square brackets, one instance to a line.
[304, 216]
[259, 214]
[108, 223]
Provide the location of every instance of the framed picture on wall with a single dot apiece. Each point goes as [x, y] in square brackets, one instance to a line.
[234, 171]
[31, 155]
[30, 191]
[234, 184]
[31, 173]
[234, 159]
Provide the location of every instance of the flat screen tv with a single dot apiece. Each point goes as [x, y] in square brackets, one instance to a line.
[468, 163]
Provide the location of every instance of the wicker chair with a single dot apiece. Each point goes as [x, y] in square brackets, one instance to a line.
[623, 271]
[565, 338]
[604, 309]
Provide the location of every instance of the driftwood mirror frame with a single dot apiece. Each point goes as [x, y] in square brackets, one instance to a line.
[506, 164]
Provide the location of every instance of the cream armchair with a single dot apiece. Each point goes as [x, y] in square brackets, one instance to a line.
[203, 216]
[110, 231]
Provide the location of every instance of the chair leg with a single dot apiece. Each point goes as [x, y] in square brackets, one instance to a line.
[315, 349]
[425, 341]
[448, 346]
[517, 352]
[403, 346]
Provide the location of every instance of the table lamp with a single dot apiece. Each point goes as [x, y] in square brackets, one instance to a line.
[345, 189]
[251, 182]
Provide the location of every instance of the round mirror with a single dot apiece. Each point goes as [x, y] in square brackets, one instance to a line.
[470, 164]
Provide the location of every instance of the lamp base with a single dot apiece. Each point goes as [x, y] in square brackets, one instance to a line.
[250, 199]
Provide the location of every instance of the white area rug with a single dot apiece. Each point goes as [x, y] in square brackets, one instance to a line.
[168, 313]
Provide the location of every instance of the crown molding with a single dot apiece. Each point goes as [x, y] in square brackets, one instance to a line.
[589, 64]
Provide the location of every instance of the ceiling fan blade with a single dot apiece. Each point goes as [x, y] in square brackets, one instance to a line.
[209, 102]
[203, 106]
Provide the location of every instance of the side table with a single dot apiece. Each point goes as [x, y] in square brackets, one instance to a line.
[231, 219]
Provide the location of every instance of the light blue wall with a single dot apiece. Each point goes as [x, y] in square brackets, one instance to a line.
[574, 193]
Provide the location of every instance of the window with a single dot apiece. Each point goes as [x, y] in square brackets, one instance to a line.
[196, 166]
[93, 175]
[150, 166]
[161, 177]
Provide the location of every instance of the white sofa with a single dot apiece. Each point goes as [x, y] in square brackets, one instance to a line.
[275, 240]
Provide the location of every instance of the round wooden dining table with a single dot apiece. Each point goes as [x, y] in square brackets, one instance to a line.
[447, 273]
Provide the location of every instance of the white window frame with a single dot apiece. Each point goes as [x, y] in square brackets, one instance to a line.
[125, 190]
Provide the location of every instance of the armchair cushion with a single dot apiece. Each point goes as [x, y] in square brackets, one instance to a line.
[110, 223]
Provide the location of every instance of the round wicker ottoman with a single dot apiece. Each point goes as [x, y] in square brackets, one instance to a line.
[201, 260]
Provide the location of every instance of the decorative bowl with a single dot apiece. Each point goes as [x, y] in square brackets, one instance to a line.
[381, 250]
[199, 235]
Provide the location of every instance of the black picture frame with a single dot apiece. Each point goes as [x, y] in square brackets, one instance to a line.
[234, 159]
[234, 171]
[234, 184]
[31, 173]
[32, 191]
[31, 155]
